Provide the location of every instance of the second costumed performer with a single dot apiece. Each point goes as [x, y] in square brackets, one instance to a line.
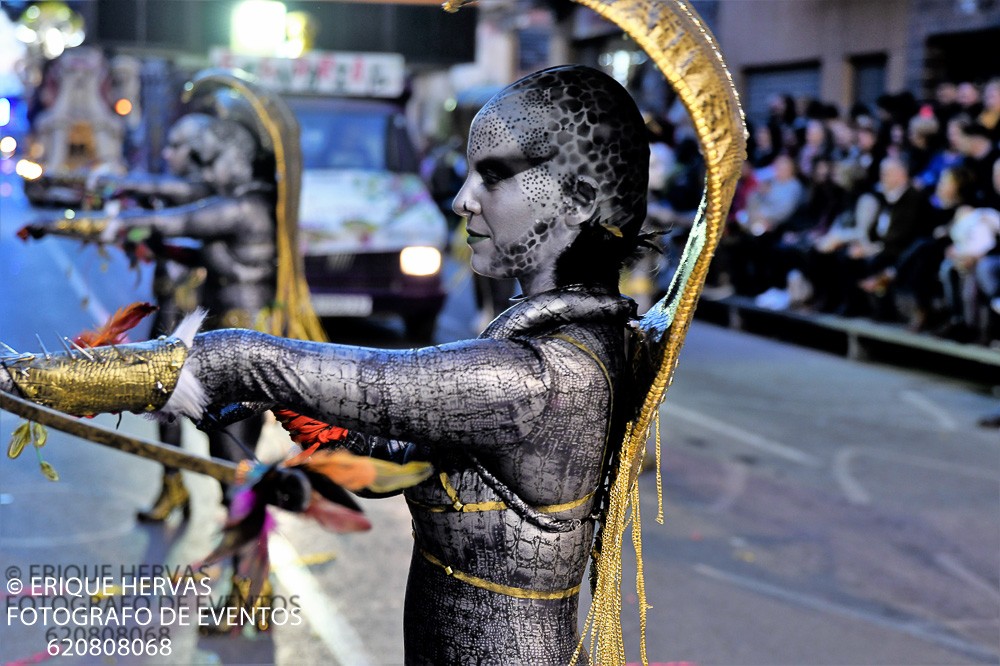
[234, 199]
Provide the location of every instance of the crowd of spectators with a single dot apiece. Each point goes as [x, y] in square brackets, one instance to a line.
[888, 212]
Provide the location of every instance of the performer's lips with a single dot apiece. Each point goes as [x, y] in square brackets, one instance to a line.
[475, 238]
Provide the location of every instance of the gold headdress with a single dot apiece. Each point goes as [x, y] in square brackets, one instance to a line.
[675, 38]
[276, 128]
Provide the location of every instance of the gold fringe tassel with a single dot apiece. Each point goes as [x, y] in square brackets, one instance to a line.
[659, 474]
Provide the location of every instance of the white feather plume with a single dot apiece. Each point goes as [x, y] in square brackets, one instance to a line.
[188, 398]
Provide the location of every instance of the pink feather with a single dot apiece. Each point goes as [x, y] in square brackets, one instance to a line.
[336, 517]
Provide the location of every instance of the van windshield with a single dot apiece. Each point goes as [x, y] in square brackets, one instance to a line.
[343, 139]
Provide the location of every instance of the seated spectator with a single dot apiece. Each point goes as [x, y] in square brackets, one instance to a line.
[838, 269]
[762, 151]
[988, 271]
[893, 112]
[968, 98]
[922, 141]
[781, 120]
[817, 144]
[864, 163]
[988, 281]
[843, 140]
[687, 179]
[826, 199]
[945, 102]
[990, 115]
[916, 273]
[894, 140]
[947, 156]
[719, 282]
[673, 206]
[973, 236]
[970, 273]
[784, 252]
[770, 206]
[851, 226]
[775, 199]
[978, 154]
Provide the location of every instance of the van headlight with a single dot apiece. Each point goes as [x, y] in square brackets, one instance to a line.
[28, 170]
[8, 145]
[420, 260]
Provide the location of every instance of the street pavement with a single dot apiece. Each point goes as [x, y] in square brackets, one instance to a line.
[816, 510]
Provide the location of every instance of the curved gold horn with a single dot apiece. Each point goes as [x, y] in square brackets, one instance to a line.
[674, 37]
[683, 48]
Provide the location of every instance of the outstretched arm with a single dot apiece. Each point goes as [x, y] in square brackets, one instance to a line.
[214, 217]
[484, 394]
[171, 189]
[476, 392]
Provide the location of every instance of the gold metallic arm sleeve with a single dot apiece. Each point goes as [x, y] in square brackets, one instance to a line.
[81, 228]
[135, 377]
[85, 228]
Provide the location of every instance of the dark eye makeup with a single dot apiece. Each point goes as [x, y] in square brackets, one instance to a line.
[495, 169]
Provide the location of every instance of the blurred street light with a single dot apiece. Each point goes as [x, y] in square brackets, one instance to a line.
[265, 28]
[258, 27]
[51, 27]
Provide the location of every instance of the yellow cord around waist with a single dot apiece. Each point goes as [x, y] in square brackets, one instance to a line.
[507, 590]
[473, 507]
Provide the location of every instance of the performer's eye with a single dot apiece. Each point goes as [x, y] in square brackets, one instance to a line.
[494, 170]
[498, 168]
[491, 178]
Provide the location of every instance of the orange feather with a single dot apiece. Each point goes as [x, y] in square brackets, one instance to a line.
[343, 468]
[121, 322]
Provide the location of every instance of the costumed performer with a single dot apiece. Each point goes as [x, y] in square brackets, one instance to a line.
[174, 280]
[524, 425]
[236, 228]
[518, 422]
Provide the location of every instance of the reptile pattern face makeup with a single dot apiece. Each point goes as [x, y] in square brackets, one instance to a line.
[558, 153]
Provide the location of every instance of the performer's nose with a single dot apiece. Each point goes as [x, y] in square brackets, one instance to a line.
[465, 204]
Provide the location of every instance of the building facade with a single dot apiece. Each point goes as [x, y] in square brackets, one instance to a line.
[838, 51]
[848, 51]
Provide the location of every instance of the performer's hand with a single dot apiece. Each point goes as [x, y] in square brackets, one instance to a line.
[33, 230]
[104, 185]
[92, 229]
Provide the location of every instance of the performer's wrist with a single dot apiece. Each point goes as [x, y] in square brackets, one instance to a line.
[98, 229]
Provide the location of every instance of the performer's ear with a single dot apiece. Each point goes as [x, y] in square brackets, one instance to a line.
[582, 200]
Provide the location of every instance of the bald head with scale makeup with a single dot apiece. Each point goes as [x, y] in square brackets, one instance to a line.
[558, 169]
